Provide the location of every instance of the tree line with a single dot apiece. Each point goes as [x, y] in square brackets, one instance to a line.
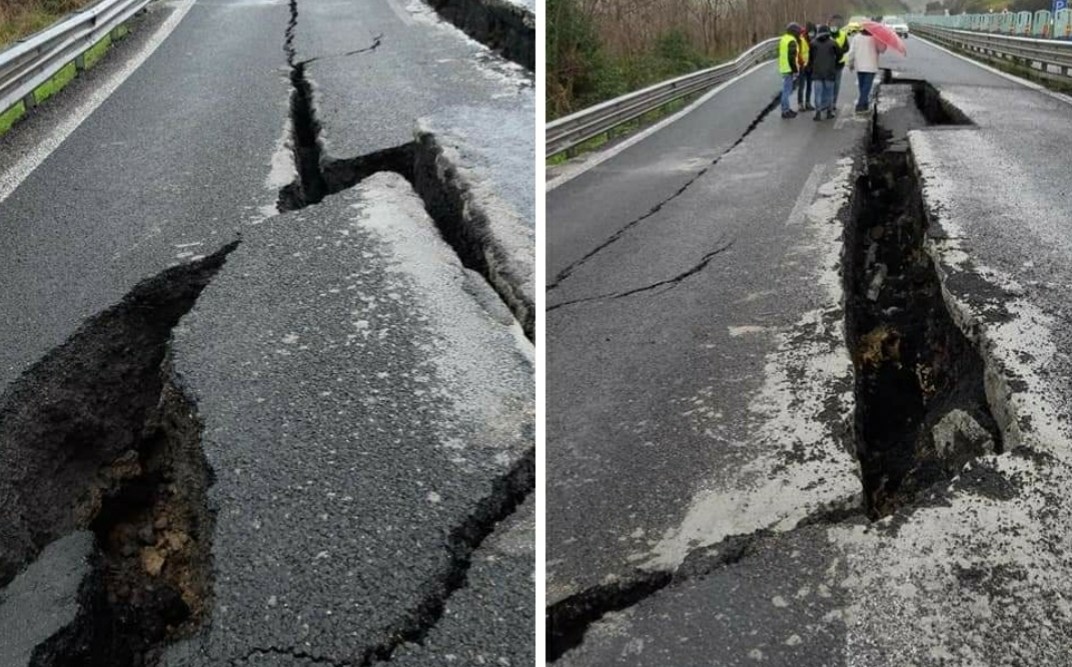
[599, 49]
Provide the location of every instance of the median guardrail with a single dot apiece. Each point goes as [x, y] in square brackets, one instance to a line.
[571, 131]
[1049, 58]
[1042, 23]
[57, 51]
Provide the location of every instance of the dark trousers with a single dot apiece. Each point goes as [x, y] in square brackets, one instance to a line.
[824, 94]
[804, 88]
[865, 80]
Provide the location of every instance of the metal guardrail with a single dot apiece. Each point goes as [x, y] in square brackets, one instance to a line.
[34, 60]
[1042, 23]
[573, 130]
[1048, 58]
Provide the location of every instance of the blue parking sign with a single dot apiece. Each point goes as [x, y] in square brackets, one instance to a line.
[1058, 5]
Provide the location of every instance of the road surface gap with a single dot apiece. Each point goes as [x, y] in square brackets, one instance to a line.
[568, 620]
[921, 407]
[566, 272]
[504, 27]
[310, 186]
[507, 494]
[935, 108]
[96, 436]
[462, 224]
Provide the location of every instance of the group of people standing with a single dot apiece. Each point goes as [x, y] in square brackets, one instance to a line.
[813, 59]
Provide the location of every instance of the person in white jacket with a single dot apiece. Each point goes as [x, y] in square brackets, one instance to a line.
[862, 57]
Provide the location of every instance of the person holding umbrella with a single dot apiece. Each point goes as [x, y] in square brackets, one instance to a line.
[862, 58]
[864, 52]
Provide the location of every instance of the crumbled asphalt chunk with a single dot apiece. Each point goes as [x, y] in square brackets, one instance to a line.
[367, 433]
[46, 612]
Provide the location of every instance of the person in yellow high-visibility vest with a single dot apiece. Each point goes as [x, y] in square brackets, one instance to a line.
[841, 41]
[788, 65]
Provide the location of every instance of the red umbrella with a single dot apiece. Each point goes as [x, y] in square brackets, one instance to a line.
[886, 35]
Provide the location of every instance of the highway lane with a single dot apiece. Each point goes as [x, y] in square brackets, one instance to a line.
[188, 155]
[976, 572]
[179, 155]
[671, 351]
[643, 175]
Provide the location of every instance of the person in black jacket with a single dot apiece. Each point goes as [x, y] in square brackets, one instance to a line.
[841, 39]
[804, 81]
[825, 55]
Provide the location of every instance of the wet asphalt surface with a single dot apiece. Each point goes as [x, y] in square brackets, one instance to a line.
[351, 465]
[970, 574]
[652, 395]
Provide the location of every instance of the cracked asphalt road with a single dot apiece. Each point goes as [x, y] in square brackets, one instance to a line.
[412, 450]
[660, 397]
[975, 571]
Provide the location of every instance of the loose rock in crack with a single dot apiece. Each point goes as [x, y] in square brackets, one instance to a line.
[921, 406]
[97, 436]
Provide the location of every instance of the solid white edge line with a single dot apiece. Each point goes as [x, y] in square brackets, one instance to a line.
[17, 173]
[599, 158]
[1005, 75]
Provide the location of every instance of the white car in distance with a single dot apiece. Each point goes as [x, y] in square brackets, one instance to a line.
[898, 24]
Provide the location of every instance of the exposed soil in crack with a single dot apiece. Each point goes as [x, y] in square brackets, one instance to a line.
[566, 272]
[921, 407]
[669, 283]
[502, 26]
[97, 436]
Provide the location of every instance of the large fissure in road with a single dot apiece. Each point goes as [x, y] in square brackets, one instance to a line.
[921, 406]
[98, 436]
[448, 199]
[501, 25]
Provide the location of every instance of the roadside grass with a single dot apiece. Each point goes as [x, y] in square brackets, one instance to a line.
[19, 18]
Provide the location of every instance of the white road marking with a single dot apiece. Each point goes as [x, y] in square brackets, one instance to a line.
[13, 177]
[806, 196]
[573, 172]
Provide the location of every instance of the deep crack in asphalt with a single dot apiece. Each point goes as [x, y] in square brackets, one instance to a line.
[97, 435]
[573, 266]
[503, 26]
[914, 370]
[672, 282]
[462, 222]
[921, 405]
